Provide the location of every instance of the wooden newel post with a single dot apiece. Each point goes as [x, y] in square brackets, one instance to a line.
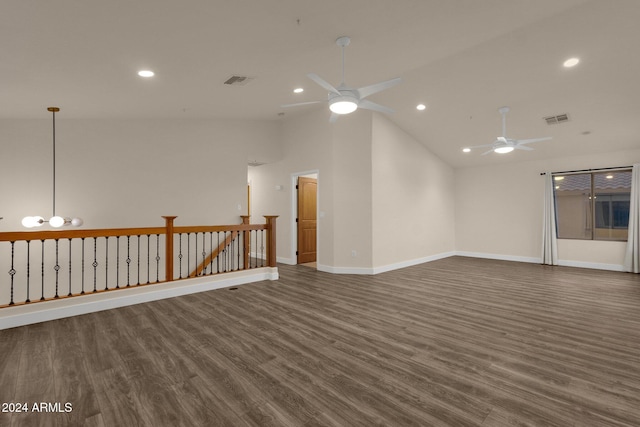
[168, 268]
[271, 240]
[246, 239]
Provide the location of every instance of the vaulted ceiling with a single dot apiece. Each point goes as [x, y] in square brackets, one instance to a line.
[462, 58]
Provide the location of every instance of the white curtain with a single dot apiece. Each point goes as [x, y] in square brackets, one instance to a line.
[549, 237]
[632, 256]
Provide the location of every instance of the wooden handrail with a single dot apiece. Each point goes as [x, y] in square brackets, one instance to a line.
[232, 233]
[14, 236]
[216, 228]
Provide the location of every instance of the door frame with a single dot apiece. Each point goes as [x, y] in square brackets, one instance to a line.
[294, 214]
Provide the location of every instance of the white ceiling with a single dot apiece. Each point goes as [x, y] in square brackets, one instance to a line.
[463, 58]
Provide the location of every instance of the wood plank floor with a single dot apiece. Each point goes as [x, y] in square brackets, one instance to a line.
[455, 342]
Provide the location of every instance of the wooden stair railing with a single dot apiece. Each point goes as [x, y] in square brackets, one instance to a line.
[214, 254]
[32, 278]
[222, 246]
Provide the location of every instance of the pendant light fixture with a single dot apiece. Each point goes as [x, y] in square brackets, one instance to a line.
[55, 220]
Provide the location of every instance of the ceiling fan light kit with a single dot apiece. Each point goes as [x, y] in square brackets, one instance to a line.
[343, 104]
[344, 99]
[502, 144]
[503, 150]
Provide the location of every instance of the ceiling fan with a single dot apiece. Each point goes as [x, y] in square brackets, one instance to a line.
[502, 144]
[345, 99]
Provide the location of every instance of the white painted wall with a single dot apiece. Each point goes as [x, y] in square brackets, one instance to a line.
[341, 155]
[352, 192]
[498, 211]
[382, 194]
[307, 145]
[387, 201]
[413, 199]
[127, 173]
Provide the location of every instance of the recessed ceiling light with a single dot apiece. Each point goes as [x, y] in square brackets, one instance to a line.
[609, 176]
[571, 62]
[421, 107]
[557, 187]
[146, 73]
[466, 150]
[298, 90]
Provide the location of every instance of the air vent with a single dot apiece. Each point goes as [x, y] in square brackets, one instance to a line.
[556, 120]
[238, 80]
[256, 163]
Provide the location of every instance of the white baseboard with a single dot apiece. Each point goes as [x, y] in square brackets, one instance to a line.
[11, 317]
[383, 268]
[411, 262]
[345, 270]
[288, 261]
[593, 265]
[499, 257]
[562, 262]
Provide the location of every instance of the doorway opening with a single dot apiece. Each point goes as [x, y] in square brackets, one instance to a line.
[306, 218]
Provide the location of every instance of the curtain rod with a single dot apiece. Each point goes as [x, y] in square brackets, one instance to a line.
[590, 170]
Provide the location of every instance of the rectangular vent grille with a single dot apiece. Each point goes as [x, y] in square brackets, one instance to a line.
[556, 120]
[238, 80]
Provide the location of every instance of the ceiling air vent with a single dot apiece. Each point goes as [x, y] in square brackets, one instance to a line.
[238, 80]
[556, 120]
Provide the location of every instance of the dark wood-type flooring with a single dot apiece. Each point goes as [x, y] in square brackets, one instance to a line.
[455, 342]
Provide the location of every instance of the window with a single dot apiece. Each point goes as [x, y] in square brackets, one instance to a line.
[593, 206]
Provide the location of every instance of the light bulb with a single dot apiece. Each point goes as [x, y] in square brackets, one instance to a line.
[32, 221]
[343, 107]
[503, 150]
[56, 221]
[77, 222]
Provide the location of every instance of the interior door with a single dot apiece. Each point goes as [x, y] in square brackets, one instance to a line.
[307, 207]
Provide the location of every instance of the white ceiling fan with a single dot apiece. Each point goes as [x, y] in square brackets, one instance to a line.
[345, 99]
[502, 144]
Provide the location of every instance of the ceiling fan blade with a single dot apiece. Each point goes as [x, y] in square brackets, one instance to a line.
[377, 87]
[319, 80]
[368, 105]
[300, 103]
[529, 141]
[522, 147]
[480, 146]
[333, 117]
[487, 152]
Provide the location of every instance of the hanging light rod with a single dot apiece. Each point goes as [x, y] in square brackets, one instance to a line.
[55, 220]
